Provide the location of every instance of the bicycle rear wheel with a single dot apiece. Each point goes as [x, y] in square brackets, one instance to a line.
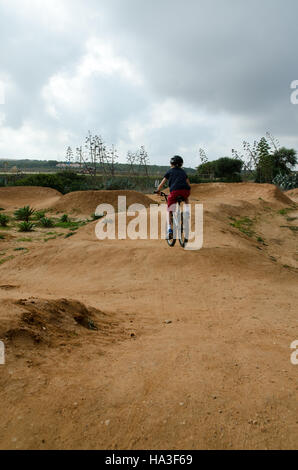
[182, 235]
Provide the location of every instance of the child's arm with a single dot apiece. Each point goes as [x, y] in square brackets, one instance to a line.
[188, 182]
[161, 185]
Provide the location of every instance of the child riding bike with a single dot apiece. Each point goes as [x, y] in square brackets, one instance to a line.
[179, 187]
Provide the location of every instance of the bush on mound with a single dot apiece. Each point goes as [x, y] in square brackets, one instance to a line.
[4, 219]
[24, 213]
[26, 227]
[64, 182]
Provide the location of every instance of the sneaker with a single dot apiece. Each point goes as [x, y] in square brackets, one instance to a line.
[170, 234]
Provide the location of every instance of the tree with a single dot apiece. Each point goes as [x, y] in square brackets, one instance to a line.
[280, 162]
[284, 160]
[69, 156]
[266, 159]
[111, 159]
[207, 169]
[143, 159]
[131, 160]
[228, 168]
[249, 158]
[225, 168]
[265, 162]
[203, 156]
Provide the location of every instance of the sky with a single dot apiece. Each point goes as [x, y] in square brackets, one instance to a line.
[172, 75]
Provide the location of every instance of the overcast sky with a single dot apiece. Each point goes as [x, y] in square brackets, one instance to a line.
[172, 75]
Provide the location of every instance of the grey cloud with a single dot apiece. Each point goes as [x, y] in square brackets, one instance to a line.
[232, 56]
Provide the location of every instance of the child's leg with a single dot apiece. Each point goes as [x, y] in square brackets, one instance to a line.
[170, 219]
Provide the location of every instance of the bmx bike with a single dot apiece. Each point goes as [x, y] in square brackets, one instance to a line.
[180, 224]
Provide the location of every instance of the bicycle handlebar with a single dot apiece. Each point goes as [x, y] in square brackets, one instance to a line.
[161, 194]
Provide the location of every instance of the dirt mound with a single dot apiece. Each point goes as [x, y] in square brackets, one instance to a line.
[239, 191]
[190, 333]
[47, 322]
[86, 202]
[19, 196]
[293, 194]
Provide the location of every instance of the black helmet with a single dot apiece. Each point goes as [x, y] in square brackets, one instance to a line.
[177, 161]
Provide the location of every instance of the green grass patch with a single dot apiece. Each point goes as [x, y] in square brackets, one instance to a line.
[70, 224]
[244, 225]
[4, 260]
[21, 249]
[49, 238]
[28, 240]
[69, 234]
[286, 210]
[294, 228]
[2, 237]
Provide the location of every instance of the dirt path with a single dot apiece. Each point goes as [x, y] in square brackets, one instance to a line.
[190, 358]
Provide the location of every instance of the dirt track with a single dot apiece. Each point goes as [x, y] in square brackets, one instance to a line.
[132, 345]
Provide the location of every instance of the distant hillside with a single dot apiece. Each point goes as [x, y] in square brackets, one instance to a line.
[51, 166]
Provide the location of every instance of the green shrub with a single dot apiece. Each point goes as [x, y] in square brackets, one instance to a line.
[26, 227]
[228, 169]
[39, 214]
[194, 179]
[24, 213]
[119, 183]
[46, 222]
[64, 218]
[65, 181]
[286, 182]
[4, 219]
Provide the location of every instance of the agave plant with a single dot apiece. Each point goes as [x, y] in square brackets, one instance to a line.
[64, 218]
[46, 222]
[40, 215]
[26, 227]
[4, 220]
[24, 213]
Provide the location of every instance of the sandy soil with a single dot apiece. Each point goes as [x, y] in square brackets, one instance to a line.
[134, 345]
